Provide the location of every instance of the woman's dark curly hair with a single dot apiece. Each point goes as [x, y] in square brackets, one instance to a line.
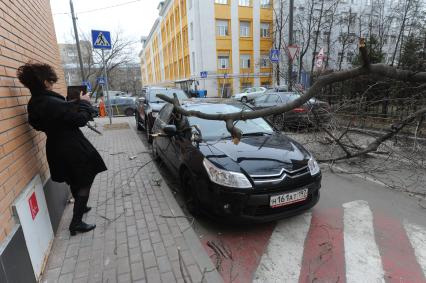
[33, 75]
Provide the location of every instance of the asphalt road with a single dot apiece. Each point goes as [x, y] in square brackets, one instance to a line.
[269, 251]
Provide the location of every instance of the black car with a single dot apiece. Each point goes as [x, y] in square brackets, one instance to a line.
[148, 106]
[266, 176]
[308, 114]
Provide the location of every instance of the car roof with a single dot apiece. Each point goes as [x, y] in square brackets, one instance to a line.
[194, 102]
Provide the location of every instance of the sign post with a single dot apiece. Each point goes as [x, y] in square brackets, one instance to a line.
[102, 40]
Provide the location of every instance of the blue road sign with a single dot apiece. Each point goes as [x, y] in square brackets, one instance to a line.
[101, 80]
[274, 55]
[101, 39]
[203, 74]
[88, 84]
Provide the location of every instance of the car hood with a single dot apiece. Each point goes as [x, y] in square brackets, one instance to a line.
[259, 155]
[156, 106]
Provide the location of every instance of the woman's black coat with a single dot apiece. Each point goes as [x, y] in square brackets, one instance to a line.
[71, 157]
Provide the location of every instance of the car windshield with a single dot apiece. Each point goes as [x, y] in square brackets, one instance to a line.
[168, 92]
[213, 130]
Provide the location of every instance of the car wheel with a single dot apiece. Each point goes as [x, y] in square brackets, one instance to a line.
[129, 112]
[278, 121]
[138, 121]
[189, 190]
[155, 155]
[148, 131]
[244, 99]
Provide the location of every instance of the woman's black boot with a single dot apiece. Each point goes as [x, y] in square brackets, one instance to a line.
[77, 225]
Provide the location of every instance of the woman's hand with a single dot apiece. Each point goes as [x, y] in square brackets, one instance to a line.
[84, 96]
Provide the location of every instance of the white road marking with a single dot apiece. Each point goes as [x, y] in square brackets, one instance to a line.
[362, 256]
[417, 236]
[282, 260]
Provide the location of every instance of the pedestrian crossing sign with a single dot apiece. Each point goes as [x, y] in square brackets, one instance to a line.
[101, 39]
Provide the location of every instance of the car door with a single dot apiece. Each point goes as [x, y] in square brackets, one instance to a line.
[163, 142]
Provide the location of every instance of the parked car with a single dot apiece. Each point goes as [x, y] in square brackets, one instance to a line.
[249, 94]
[148, 105]
[307, 114]
[265, 177]
[121, 105]
[281, 88]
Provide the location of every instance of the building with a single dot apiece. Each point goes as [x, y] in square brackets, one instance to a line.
[222, 44]
[70, 62]
[26, 33]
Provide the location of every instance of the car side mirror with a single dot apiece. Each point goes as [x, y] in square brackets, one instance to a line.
[170, 130]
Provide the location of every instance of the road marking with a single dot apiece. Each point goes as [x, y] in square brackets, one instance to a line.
[417, 236]
[324, 254]
[283, 258]
[398, 256]
[362, 257]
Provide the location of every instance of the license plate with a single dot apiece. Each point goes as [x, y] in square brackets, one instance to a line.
[289, 198]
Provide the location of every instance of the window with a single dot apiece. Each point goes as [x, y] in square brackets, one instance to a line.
[223, 61]
[193, 61]
[245, 3]
[264, 61]
[224, 2]
[273, 98]
[265, 4]
[264, 30]
[244, 29]
[191, 28]
[190, 4]
[222, 28]
[245, 61]
[245, 86]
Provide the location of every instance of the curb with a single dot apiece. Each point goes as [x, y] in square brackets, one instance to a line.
[211, 275]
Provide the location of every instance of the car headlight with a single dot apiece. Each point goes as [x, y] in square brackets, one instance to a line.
[154, 114]
[226, 178]
[313, 166]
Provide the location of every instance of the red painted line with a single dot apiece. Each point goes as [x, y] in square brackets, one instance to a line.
[243, 249]
[324, 255]
[398, 257]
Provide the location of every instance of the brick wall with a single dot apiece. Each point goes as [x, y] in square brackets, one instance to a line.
[26, 33]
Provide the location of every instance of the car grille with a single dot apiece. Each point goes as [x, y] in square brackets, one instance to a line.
[264, 210]
[281, 176]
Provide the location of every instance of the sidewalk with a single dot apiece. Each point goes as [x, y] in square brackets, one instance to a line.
[142, 234]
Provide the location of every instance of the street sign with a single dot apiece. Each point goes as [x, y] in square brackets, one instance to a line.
[101, 39]
[203, 74]
[292, 51]
[88, 85]
[274, 55]
[101, 80]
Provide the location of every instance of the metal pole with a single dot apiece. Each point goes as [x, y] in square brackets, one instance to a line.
[77, 41]
[290, 42]
[106, 88]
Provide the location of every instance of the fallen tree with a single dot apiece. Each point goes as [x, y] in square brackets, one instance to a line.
[366, 69]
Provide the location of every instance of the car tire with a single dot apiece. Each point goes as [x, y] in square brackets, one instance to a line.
[138, 121]
[148, 131]
[192, 202]
[129, 112]
[155, 156]
[278, 121]
[244, 99]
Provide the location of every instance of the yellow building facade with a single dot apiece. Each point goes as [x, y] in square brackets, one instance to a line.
[223, 45]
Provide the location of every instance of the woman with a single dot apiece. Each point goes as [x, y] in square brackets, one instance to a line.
[71, 157]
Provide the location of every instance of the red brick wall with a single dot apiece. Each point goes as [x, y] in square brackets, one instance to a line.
[26, 33]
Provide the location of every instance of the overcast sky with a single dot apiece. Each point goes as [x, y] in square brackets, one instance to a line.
[135, 18]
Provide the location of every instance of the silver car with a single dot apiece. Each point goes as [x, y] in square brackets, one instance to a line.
[249, 94]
